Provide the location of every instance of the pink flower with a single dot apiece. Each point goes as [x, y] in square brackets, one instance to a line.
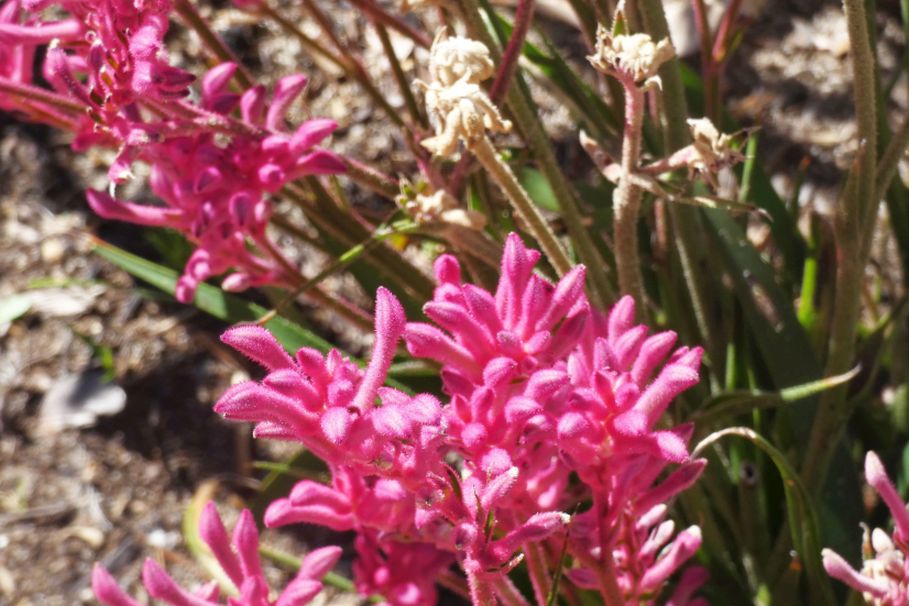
[329, 404]
[238, 556]
[884, 577]
[402, 573]
[213, 171]
[216, 194]
[541, 388]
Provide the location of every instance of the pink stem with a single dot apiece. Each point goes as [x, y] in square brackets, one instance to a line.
[27, 91]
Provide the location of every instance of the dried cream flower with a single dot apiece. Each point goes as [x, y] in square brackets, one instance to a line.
[710, 150]
[458, 106]
[439, 207]
[456, 58]
[635, 56]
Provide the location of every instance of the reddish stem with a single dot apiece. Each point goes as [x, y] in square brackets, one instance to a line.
[396, 23]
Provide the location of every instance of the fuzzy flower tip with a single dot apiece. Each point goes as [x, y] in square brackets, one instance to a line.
[884, 577]
[238, 556]
[549, 403]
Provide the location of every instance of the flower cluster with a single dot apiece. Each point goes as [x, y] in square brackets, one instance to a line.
[113, 86]
[460, 108]
[632, 58]
[884, 577]
[238, 556]
[550, 405]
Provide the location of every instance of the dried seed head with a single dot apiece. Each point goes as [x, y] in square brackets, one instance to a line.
[460, 109]
[440, 207]
[455, 58]
[636, 56]
[711, 150]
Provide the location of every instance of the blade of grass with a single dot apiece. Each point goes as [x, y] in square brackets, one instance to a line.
[803, 521]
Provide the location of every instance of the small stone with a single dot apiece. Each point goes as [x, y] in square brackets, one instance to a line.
[52, 250]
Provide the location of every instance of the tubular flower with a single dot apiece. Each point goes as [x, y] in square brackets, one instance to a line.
[213, 162]
[238, 556]
[541, 389]
[402, 573]
[884, 577]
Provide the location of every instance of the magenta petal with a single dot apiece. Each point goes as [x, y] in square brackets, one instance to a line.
[286, 90]
[215, 536]
[299, 592]
[310, 133]
[319, 162]
[106, 589]
[215, 81]
[154, 216]
[246, 542]
[160, 585]
[389, 422]
[336, 424]
[259, 345]
[319, 562]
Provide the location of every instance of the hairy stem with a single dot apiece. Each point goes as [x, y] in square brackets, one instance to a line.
[380, 15]
[481, 593]
[627, 199]
[522, 19]
[509, 594]
[504, 74]
[535, 558]
[854, 221]
[520, 201]
[528, 121]
[886, 167]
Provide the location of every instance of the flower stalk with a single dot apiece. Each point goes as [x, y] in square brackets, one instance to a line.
[854, 222]
[627, 198]
[633, 60]
[486, 154]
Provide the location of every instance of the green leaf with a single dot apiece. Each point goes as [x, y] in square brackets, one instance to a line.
[803, 522]
[538, 188]
[782, 341]
[783, 226]
[726, 405]
[214, 301]
[224, 306]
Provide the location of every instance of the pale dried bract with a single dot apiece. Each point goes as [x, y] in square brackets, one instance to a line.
[459, 107]
[635, 56]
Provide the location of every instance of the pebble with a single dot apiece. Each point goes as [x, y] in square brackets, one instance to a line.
[52, 250]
